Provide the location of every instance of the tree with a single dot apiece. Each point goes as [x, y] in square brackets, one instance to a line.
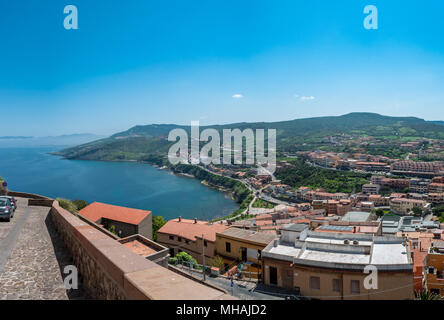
[158, 222]
[379, 212]
[80, 204]
[217, 262]
[417, 211]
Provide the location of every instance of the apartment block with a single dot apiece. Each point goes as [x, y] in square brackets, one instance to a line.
[371, 188]
[328, 265]
[416, 168]
[434, 268]
[405, 206]
[435, 187]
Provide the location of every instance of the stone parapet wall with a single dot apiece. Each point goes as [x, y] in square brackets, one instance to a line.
[109, 270]
[26, 195]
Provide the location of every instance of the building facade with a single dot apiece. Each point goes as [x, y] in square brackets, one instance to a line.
[236, 246]
[195, 237]
[331, 266]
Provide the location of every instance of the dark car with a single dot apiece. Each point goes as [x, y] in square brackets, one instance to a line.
[6, 210]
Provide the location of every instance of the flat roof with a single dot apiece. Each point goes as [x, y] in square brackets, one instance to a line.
[298, 227]
[248, 235]
[356, 216]
[330, 251]
[139, 248]
[392, 253]
[335, 257]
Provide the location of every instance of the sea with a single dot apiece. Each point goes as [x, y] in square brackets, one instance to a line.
[129, 184]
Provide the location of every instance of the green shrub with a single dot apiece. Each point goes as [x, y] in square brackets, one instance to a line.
[80, 204]
[186, 257]
[158, 222]
[67, 205]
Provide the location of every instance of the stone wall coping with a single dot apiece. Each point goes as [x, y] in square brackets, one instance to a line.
[138, 277]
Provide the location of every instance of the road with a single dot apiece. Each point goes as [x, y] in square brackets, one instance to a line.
[242, 289]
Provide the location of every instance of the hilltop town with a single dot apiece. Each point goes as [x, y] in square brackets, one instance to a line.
[309, 231]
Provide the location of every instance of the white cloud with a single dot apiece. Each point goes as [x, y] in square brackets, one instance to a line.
[237, 96]
[307, 98]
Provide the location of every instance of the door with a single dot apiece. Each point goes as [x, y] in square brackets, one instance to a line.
[244, 254]
[273, 276]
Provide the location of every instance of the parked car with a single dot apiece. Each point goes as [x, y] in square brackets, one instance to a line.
[6, 211]
[12, 200]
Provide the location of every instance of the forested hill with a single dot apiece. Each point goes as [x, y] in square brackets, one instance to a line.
[149, 142]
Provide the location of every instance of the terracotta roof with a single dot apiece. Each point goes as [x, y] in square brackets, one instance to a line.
[407, 200]
[190, 230]
[96, 210]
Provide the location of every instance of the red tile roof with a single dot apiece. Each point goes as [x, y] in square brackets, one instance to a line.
[96, 210]
[190, 230]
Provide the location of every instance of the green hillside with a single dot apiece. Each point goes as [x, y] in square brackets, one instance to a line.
[149, 142]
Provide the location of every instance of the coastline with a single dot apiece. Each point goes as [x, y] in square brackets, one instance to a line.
[179, 174]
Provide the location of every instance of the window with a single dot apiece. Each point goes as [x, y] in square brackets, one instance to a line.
[355, 286]
[179, 239]
[205, 243]
[315, 283]
[171, 237]
[259, 254]
[187, 241]
[336, 285]
[172, 252]
[227, 247]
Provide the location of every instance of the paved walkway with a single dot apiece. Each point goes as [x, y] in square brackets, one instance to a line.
[32, 257]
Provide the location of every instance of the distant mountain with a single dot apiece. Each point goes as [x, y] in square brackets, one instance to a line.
[144, 141]
[437, 122]
[63, 140]
[15, 137]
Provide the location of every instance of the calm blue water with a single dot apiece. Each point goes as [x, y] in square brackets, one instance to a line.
[121, 183]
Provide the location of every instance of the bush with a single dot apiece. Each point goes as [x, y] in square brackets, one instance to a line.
[173, 260]
[67, 205]
[259, 203]
[80, 204]
[186, 257]
[217, 262]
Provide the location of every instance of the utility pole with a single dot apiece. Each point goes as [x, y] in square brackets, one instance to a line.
[203, 256]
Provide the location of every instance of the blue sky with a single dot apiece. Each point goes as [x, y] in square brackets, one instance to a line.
[155, 61]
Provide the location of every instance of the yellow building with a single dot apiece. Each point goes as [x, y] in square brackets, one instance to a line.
[236, 246]
[434, 268]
